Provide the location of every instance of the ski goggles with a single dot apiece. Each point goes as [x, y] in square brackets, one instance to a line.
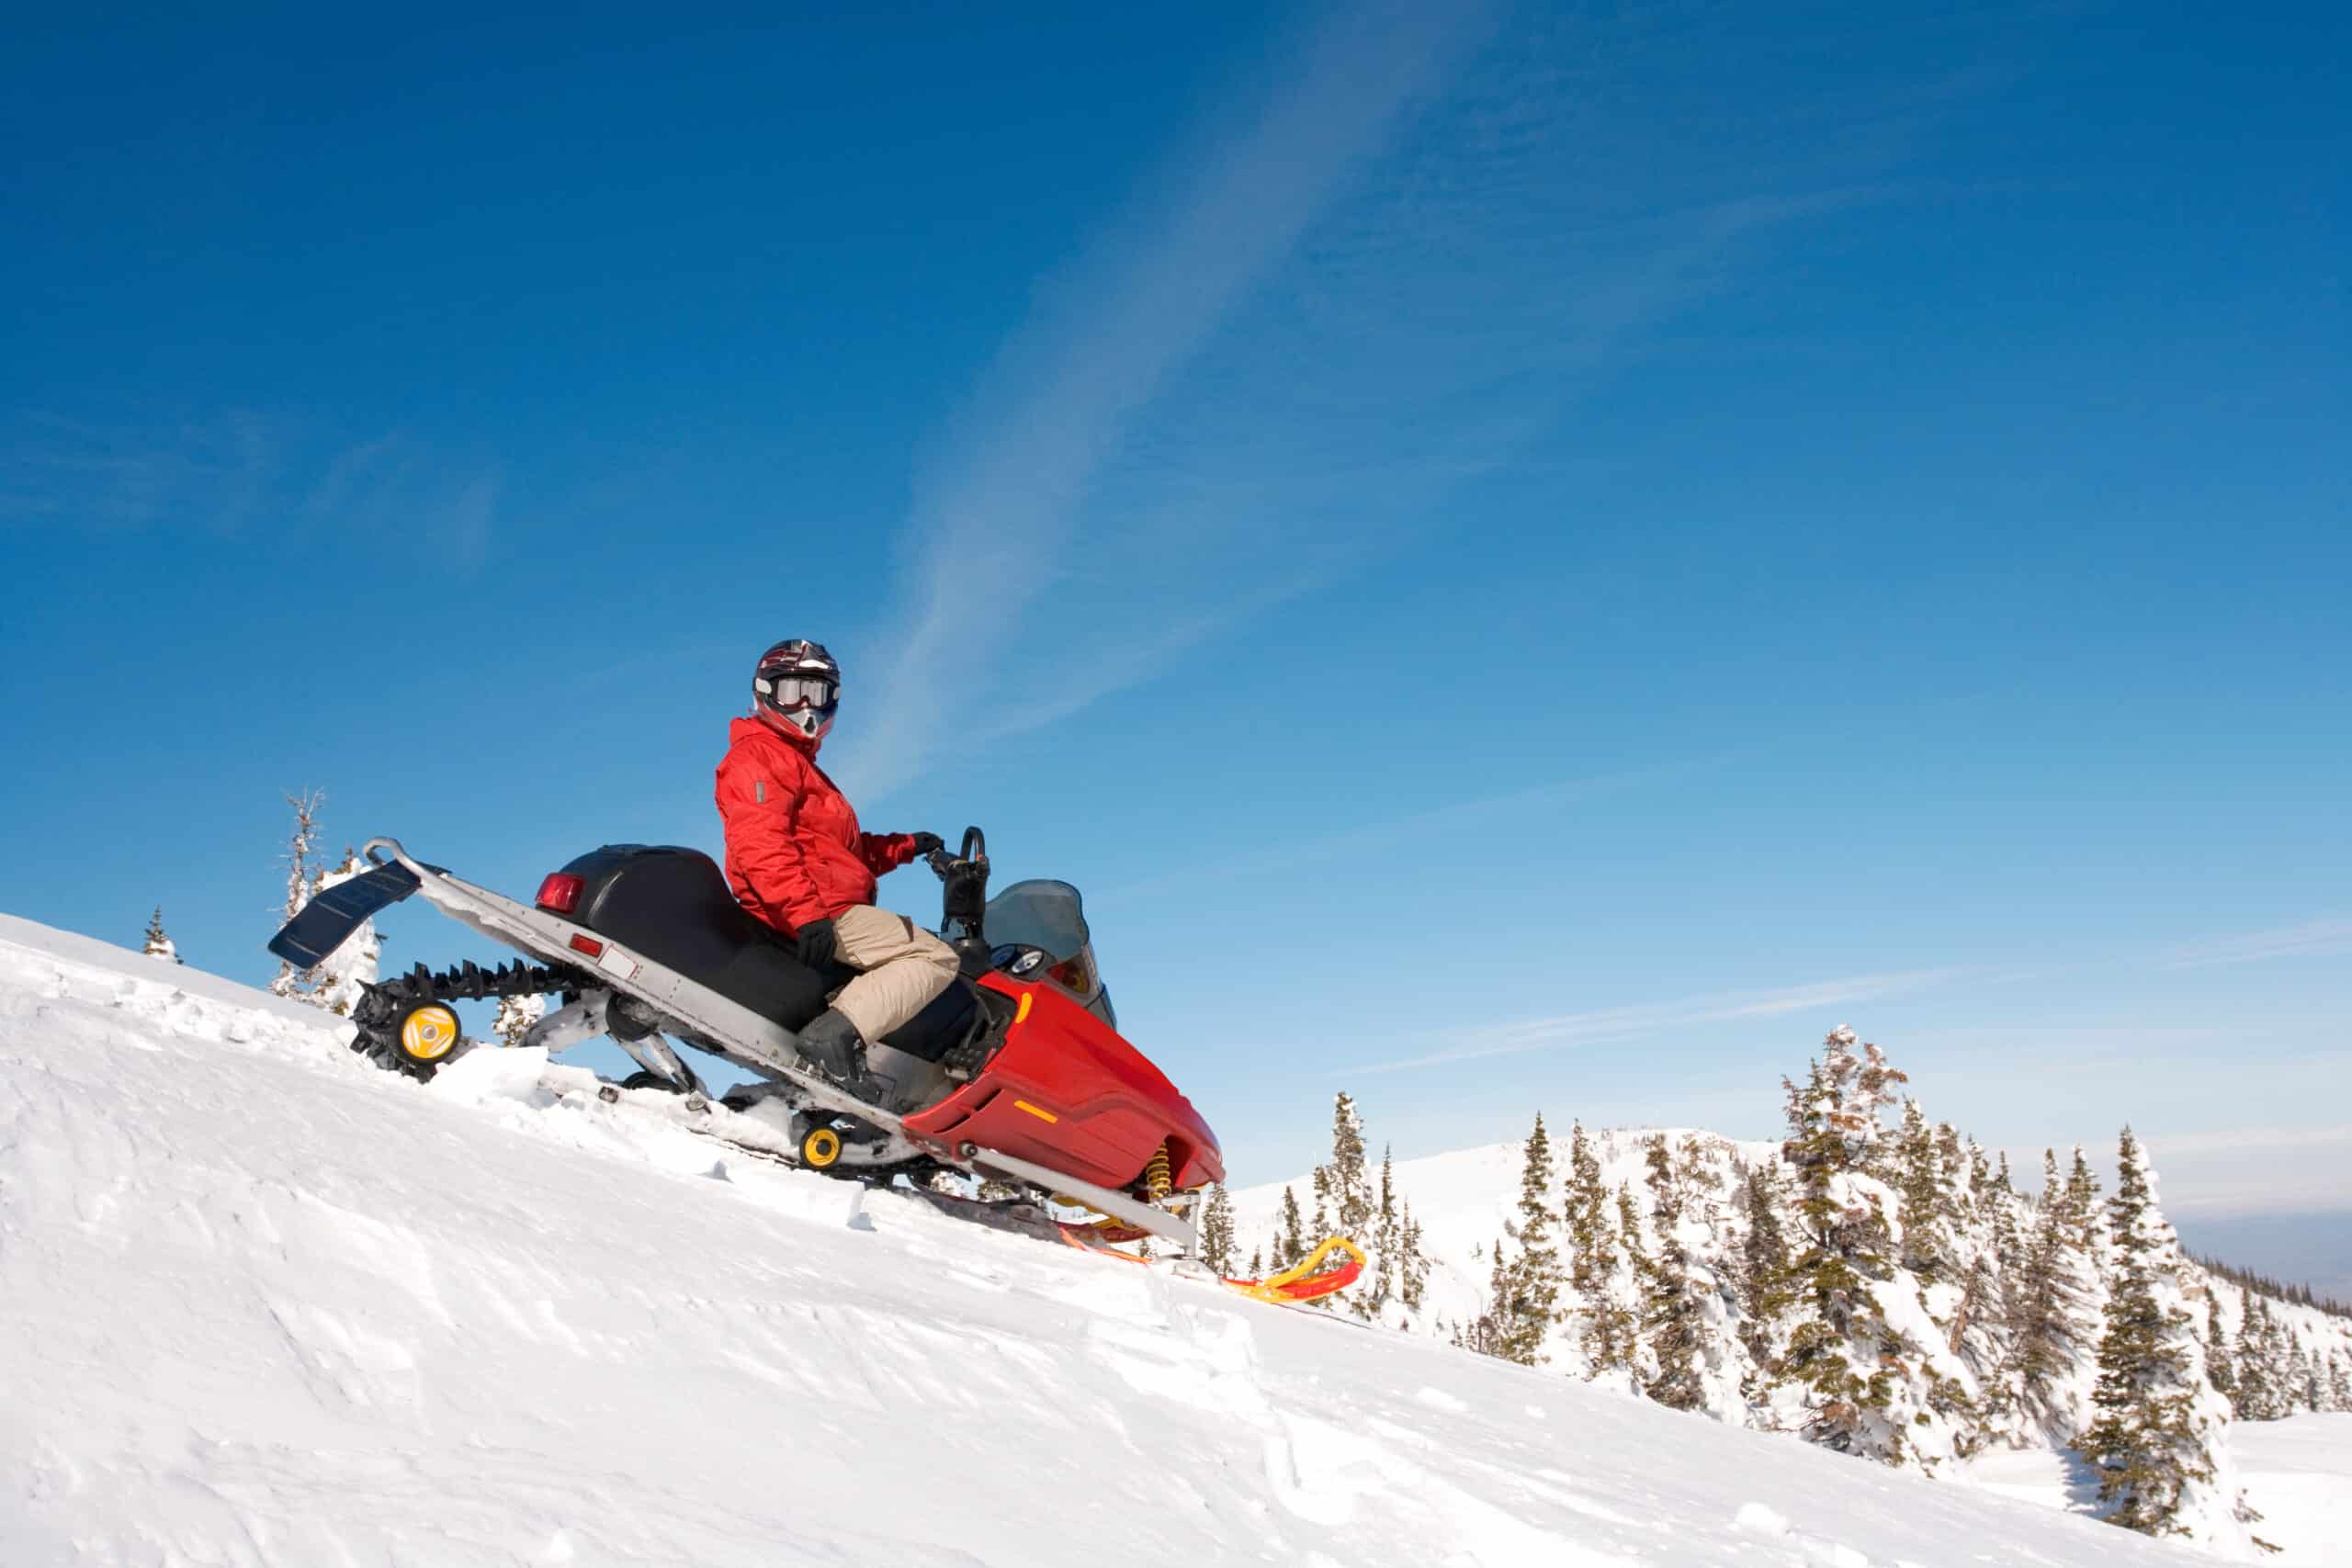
[796, 691]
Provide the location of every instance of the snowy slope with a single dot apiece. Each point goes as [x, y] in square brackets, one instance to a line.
[1464, 1200]
[2298, 1473]
[269, 1306]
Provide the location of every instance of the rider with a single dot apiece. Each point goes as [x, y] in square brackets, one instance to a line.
[796, 859]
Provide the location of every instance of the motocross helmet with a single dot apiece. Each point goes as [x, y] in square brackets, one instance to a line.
[798, 686]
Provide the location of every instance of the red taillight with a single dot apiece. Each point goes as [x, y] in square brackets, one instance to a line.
[561, 892]
[589, 945]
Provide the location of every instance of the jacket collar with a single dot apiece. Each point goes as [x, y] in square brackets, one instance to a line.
[742, 729]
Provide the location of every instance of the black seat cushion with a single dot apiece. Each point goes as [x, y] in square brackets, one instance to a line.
[673, 905]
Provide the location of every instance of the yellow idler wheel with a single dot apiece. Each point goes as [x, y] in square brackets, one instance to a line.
[429, 1032]
[820, 1148]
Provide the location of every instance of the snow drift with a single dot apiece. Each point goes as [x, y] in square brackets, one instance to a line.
[272, 1306]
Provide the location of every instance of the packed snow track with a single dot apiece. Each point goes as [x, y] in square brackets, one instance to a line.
[269, 1306]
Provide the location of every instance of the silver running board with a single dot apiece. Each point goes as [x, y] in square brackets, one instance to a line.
[762, 1041]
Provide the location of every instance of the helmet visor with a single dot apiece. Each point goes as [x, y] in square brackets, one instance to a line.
[787, 692]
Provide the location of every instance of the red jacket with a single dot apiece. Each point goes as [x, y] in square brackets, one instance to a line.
[794, 852]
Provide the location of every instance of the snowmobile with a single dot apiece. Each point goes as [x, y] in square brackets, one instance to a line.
[1016, 1075]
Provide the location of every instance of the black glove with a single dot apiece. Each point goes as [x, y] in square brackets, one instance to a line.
[926, 843]
[816, 942]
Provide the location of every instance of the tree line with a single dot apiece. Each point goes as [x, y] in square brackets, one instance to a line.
[1877, 1283]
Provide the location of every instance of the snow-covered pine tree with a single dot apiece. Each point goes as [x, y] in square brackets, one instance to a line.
[2157, 1418]
[1634, 1248]
[1290, 1243]
[1387, 1239]
[2220, 1369]
[1319, 1179]
[1217, 1230]
[300, 881]
[158, 944]
[1352, 1201]
[1928, 1169]
[2051, 1321]
[1604, 1325]
[1257, 1263]
[1933, 1210]
[1526, 1280]
[1673, 1323]
[2004, 1214]
[2279, 1362]
[1762, 1274]
[1973, 1219]
[1867, 1384]
[1694, 1169]
[2082, 1203]
[2256, 1398]
[1413, 1263]
[2339, 1383]
[515, 1017]
[1353, 1204]
[1920, 1213]
[2280, 1357]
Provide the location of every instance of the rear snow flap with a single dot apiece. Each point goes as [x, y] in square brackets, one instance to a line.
[327, 921]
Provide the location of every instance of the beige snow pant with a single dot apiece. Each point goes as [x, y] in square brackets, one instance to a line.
[902, 968]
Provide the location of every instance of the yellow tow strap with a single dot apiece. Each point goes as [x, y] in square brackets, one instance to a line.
[1307, 1278]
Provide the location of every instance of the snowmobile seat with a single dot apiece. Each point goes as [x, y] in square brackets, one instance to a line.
[673, 906]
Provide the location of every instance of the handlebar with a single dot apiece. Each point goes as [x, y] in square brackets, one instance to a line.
[975, 852]
[964, 895]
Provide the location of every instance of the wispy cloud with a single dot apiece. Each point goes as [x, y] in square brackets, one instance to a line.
[1382, 837]
[2313, 939]
[239, 469]
[1629, 1023]
[989, 523]
[1325, 362]
[215, 471]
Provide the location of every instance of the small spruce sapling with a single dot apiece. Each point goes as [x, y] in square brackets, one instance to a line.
[1217, 1242]
[2150, 1441]
[1672, 1319]
[158, 944]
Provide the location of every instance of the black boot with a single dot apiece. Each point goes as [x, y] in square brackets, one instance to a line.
[832, 1044]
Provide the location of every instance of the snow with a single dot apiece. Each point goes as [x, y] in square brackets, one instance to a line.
[270, 1306]
[2297, 1472]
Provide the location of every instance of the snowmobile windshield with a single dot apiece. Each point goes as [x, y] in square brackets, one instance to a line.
[1040, 914]
[1049, 915]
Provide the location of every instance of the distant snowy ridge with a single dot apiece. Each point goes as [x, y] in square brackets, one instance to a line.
[269, 1306]
[1999, 1300]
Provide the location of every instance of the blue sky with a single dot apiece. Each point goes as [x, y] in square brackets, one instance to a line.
[1522, 559]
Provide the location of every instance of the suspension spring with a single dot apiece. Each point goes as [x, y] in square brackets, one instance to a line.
[1158, 1182]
